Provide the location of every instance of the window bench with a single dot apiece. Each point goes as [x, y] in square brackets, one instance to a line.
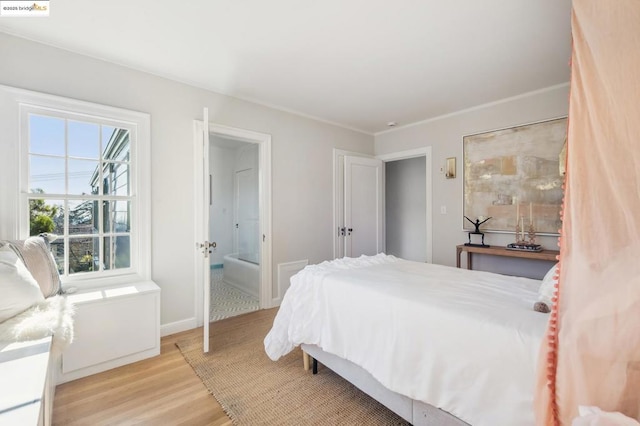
[113, 326]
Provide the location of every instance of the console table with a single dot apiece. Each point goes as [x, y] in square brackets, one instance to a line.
[503, 251]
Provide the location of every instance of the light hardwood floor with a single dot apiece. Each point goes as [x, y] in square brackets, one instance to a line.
[163, 390]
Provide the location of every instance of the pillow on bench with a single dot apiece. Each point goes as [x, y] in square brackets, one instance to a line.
[36, 255]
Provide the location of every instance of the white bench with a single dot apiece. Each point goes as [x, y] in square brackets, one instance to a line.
[28, 384]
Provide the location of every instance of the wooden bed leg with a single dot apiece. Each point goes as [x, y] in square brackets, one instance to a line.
[305, 360]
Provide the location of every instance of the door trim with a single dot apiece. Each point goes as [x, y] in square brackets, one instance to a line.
[265, 208]
[419, 152]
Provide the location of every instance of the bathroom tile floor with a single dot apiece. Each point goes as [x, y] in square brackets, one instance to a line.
[227, 301]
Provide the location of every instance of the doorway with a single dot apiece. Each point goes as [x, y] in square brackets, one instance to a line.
[233, 227]
[403, 175]
[406, 208]
[203, 131]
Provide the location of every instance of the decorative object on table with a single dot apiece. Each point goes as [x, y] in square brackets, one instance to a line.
[450, 170]
[524, 247]
[516, 165]
[522, 243]
[532, 233]
[479, 221]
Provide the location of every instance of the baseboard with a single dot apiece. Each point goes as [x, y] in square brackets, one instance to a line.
[178, 326]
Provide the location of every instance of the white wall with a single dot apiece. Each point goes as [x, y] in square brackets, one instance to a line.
[301, 155]
[444, 135]
[405, 205]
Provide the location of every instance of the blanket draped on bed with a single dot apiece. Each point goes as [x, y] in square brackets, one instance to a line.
[464, 341]
[593, 349]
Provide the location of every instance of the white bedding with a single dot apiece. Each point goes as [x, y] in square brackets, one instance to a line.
[464, 341]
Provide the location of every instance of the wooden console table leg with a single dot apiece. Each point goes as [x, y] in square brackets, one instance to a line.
[458, 252]
[469, 264]
[305, 360]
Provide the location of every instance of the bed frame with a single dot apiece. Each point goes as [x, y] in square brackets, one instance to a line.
[415, 412]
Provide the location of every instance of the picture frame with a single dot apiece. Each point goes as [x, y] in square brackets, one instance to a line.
[512, 175]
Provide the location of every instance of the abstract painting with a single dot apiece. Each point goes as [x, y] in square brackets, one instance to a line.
[513, 175]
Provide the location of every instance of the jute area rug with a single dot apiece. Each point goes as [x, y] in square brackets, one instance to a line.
[253, 390]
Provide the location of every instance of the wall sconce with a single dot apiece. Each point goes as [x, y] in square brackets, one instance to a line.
[450, 168]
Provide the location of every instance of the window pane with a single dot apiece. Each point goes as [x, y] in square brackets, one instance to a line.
[84, 139]
[115, 177]
[84, 254]
[46, 175]
[57, 249]
[83, 217]
[46, 135]
[117, 216]
[83, 177]
[115, 143]
[46, 216]
[117, 252]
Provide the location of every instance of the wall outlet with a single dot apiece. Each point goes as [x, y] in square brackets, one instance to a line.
[443, 209]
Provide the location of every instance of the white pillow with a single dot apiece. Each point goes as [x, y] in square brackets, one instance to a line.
[18, 288]
[37, 257]
[545, 292]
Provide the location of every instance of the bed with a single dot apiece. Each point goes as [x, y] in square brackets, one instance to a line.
[463, 343]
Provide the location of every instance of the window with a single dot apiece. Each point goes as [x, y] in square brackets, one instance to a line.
[81, 179]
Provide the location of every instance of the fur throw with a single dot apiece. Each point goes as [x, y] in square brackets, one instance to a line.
[54, 317]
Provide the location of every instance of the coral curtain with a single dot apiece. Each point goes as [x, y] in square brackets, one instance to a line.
[592, 352]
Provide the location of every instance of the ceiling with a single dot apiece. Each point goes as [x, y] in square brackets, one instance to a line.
[357, 63]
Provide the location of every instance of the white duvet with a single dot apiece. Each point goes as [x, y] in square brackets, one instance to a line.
[464, 341]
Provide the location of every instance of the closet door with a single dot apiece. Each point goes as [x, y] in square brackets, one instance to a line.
[363, 206]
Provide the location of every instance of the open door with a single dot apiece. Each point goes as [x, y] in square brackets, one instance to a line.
[202, 200]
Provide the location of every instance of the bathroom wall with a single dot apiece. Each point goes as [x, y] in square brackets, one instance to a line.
[221, 168]
[247, 215]
[226, 158]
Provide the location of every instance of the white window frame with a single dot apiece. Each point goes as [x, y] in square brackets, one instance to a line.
[140, 178]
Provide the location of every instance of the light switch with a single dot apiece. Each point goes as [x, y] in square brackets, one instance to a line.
[443, 209]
